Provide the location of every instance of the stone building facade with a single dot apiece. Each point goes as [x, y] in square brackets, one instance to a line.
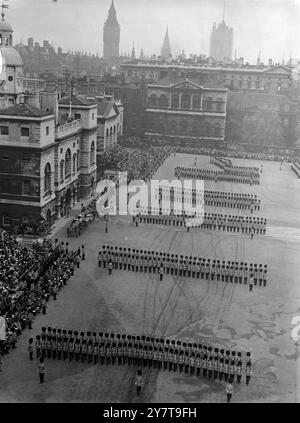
[46, 167]
[186, 113]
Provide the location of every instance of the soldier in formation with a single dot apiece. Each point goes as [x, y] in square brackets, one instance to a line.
[147, 261]
[210, 221]
[234, 200]
[241, 175]
[146, 351]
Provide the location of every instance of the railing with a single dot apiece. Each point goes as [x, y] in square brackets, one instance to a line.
[67, 128]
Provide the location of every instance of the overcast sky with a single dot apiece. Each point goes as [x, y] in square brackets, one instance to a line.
[271, 26]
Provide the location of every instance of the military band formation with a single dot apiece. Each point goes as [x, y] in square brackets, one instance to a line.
[131, 259]
[159, 353]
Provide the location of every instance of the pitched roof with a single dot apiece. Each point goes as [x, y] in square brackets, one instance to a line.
[105, 106]
[197, 82]
[279, 69]
[24, 110]
[77, 100]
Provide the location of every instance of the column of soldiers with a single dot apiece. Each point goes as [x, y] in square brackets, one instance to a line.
[241, 176]
[158, 353]
[227, 166]
[210, 221]
[213, 198]
[232, 200]
[124, 258]
[220, 161]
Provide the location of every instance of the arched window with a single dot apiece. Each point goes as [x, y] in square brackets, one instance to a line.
[107, 133]
[0, 39]
[153, 100]
[10, 40]
[163, 101]
[62, 166]
[78, 159]
[47, 178]
[92, 153]
[219, 105]
[68, 163]
[208, 103]
[6, 41]
[175, 101]
[196, 102]
[114, 129]
[110, 134]
[74, 162]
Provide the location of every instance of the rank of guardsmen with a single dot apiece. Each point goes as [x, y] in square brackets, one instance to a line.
[227, 166]
[210, 221]
[234, 200]
[233, 175]
[131, 259]
[158, 353]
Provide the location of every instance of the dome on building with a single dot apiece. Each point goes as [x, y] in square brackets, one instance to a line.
[4, 26]
[10, 56]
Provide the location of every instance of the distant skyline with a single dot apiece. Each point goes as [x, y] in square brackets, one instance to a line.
[271, 26]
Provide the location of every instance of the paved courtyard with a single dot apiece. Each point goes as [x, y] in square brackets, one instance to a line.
[219, 313]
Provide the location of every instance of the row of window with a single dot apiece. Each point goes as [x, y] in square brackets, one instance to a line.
[25, 158]
[25, 131]
[187, 102]
[7, 221]
[66, 167]
[112, 130]
[265, 106]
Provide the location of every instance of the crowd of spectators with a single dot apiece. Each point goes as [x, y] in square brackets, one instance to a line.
[234, 154]
[28, 277]
[34, 227]
[139, 164]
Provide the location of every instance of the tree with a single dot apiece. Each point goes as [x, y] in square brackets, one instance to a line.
[233, 129]
[263, 128]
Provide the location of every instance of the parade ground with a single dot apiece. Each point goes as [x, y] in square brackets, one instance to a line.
[222, 314]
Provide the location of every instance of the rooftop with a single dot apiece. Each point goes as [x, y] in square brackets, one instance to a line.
[232, 67]
[24, 110]
[11, 56]
[104, 107]
[77, 100]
